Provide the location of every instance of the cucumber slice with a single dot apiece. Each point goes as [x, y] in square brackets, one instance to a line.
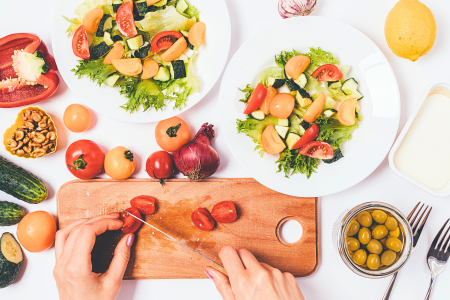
[160, 3]
[141, 7]
[185, 33]
[282, 131]
[107, 39]
[334, 84]
[105, 24]
[303, 102]
[258, 115]
[358, 95]
[276, 83]
[302, 81]
[111, 80]
[181, 6]
[329, 113]
[179, 69]
[100, 50]
[162, 75]
[136, 42]
[292, 139]
[292, 85]
[329, 103]
[349, 87]
[283, 122]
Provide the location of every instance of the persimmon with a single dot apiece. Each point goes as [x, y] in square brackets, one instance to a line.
[197, 34]
[92, 19]
[128, 66]
[271, 141]
[175, 50]
[297, 65]
[265, 106]
[314, 111]
[149, 69]
[116, 53]
[346, 112]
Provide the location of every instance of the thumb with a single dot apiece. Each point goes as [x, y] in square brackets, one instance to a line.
[222, 284]
[120, 260]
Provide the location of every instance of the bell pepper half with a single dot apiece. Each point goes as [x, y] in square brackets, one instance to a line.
[28, 73]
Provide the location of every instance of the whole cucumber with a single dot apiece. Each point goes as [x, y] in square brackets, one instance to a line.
[10, 213]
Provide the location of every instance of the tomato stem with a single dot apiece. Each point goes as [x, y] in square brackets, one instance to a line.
[80, 163]
[129, 155]
[172, 131]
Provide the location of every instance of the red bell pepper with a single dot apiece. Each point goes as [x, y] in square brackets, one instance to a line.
[17, 89]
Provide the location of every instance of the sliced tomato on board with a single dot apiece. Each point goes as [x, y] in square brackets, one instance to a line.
[328, 73]
[318, 149]
[224, 212]
[310, 135]
[256, 99]
[80, 44]
[130, 223]
[125, 19]
[164, 40]
[144, 204]
[202, 219]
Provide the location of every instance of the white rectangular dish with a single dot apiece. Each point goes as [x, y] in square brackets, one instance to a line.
[432, 174]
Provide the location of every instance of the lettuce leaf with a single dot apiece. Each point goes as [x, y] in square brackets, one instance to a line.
[254, 129]
[141, 92]
[164, 20]
[333, 132]
[275, 72]
[74, 24]
[248, 90]
[94, 69]
[192, 12]
[291, 162]
[88, 5]
[317, 55]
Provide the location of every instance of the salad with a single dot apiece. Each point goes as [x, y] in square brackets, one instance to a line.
[146, 48]
[303, 109]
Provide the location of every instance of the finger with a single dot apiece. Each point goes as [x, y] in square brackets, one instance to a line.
[293, 286]
[231, 260]
[248, 259]
[281, 284]
[222, 284]
[120, 260]
[62, 235]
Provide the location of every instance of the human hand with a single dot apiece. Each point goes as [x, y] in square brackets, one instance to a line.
[73, 270]
[250, 279]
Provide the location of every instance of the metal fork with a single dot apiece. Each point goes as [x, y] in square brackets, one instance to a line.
[438, 255]
[416, 230]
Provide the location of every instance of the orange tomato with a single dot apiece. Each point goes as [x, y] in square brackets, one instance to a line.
[77, 118]
[36, 231]
[120, 163]
[282, 105]
[172, 134]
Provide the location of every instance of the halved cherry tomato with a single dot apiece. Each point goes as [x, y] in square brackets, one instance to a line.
[202, 219]
[310, 135]
[85, 159]
[130, 223]
[80, 44]
[256, 99]
[144, 204]
[164, 40]
[125, 19]
[318, 149]
[328, 73]
[224, 212]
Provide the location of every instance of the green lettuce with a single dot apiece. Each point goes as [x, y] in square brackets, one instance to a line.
[275, 72]
[291, 162]
[248, 90]
[141, 92]
[74, 24]
[333, 132]
[254, 129]
[192, 12]
[94, 69]
[319, 57]
[89, 5]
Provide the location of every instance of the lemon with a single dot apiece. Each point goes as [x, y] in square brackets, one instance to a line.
[410, 29]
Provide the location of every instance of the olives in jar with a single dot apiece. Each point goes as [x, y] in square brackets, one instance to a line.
[394, 233]
[394, 244]
[352, 244]
[373, 261]
[359, 257]
[379, 232]
[391, 223]
[379, 216]
[388, 257]
[375, 247]
[353, 228]
[365, 219]
[364, 236]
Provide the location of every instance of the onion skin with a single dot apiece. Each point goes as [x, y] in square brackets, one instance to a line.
[295, 8]
[197, 159]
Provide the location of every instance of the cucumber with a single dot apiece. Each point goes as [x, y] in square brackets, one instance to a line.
[136, 42]
[283, 122]
[276, 83]
[160, 3]
[358, 95]
[350, 86]
[179, 69]
[141, 7]
[292, 86]
[20, 183]
[143, 51]
[282, 131]
[111, 80]
[186, 36]
[100, 50]
[105, 24]
[329, 112]
[10, 213]
[302, 101]
[117, 38]
[116, 4]
[107, 39]
[162, 75]
[11, 258]
[302, 81]
[258, 115]
[329, 103]
[181, 6]
[292, 139]
[334, 84]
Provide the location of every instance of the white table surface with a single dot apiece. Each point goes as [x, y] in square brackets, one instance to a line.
[332, 280]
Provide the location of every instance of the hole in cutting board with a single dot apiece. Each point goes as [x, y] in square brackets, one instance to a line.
[289, 231]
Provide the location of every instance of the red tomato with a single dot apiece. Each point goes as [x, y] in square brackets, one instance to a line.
[164, 40]
[256, 99]
[130, 223]
[80, 44]
[310, 135]
[202, 219]
[125, 19]
[318, 149]
[144, 204]
[328, 73]
[84, 159]
[224, 212]
[160, 165]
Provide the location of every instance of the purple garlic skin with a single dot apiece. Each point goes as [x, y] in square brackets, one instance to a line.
[295, 8]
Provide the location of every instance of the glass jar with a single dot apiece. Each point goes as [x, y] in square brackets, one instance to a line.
[339, 239]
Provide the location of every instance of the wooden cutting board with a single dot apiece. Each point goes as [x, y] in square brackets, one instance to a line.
[153, 255]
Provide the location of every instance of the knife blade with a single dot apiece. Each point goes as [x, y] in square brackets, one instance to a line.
[176, 240]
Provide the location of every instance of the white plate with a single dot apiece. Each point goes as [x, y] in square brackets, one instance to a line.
[380, 106]
[209, 64]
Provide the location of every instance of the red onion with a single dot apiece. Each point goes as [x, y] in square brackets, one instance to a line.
[197, 159]
[294, 8]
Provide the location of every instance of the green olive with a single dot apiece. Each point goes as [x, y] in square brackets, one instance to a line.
[364, 236]
[352, 244]
[365, 219]
[374, 247]
[391, 223]
[395, 233]
[359, 257]
[373, 261]
[353, 228]
[394, 244]
[383, 241]
[379, 232]
[388, 257]
[379, 216]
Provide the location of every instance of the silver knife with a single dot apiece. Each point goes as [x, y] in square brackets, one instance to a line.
[179, 242]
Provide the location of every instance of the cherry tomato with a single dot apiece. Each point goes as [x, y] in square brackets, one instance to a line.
[160, 165]
[310, 135]
[282, 105]
[164, 40]
[77, 118]
[256, 99]
[130, 223]
[144, 204]
[125, 19]
[224, 212]
[172, 134]
[80, 44]
[202, 219]
[36, 231]
[327, 73]
[318, 149]
[84, 159]
[120, 163]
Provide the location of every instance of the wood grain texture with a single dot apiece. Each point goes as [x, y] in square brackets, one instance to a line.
[154, 255]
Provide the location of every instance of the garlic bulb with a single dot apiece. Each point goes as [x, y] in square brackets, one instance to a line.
[294, 8]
